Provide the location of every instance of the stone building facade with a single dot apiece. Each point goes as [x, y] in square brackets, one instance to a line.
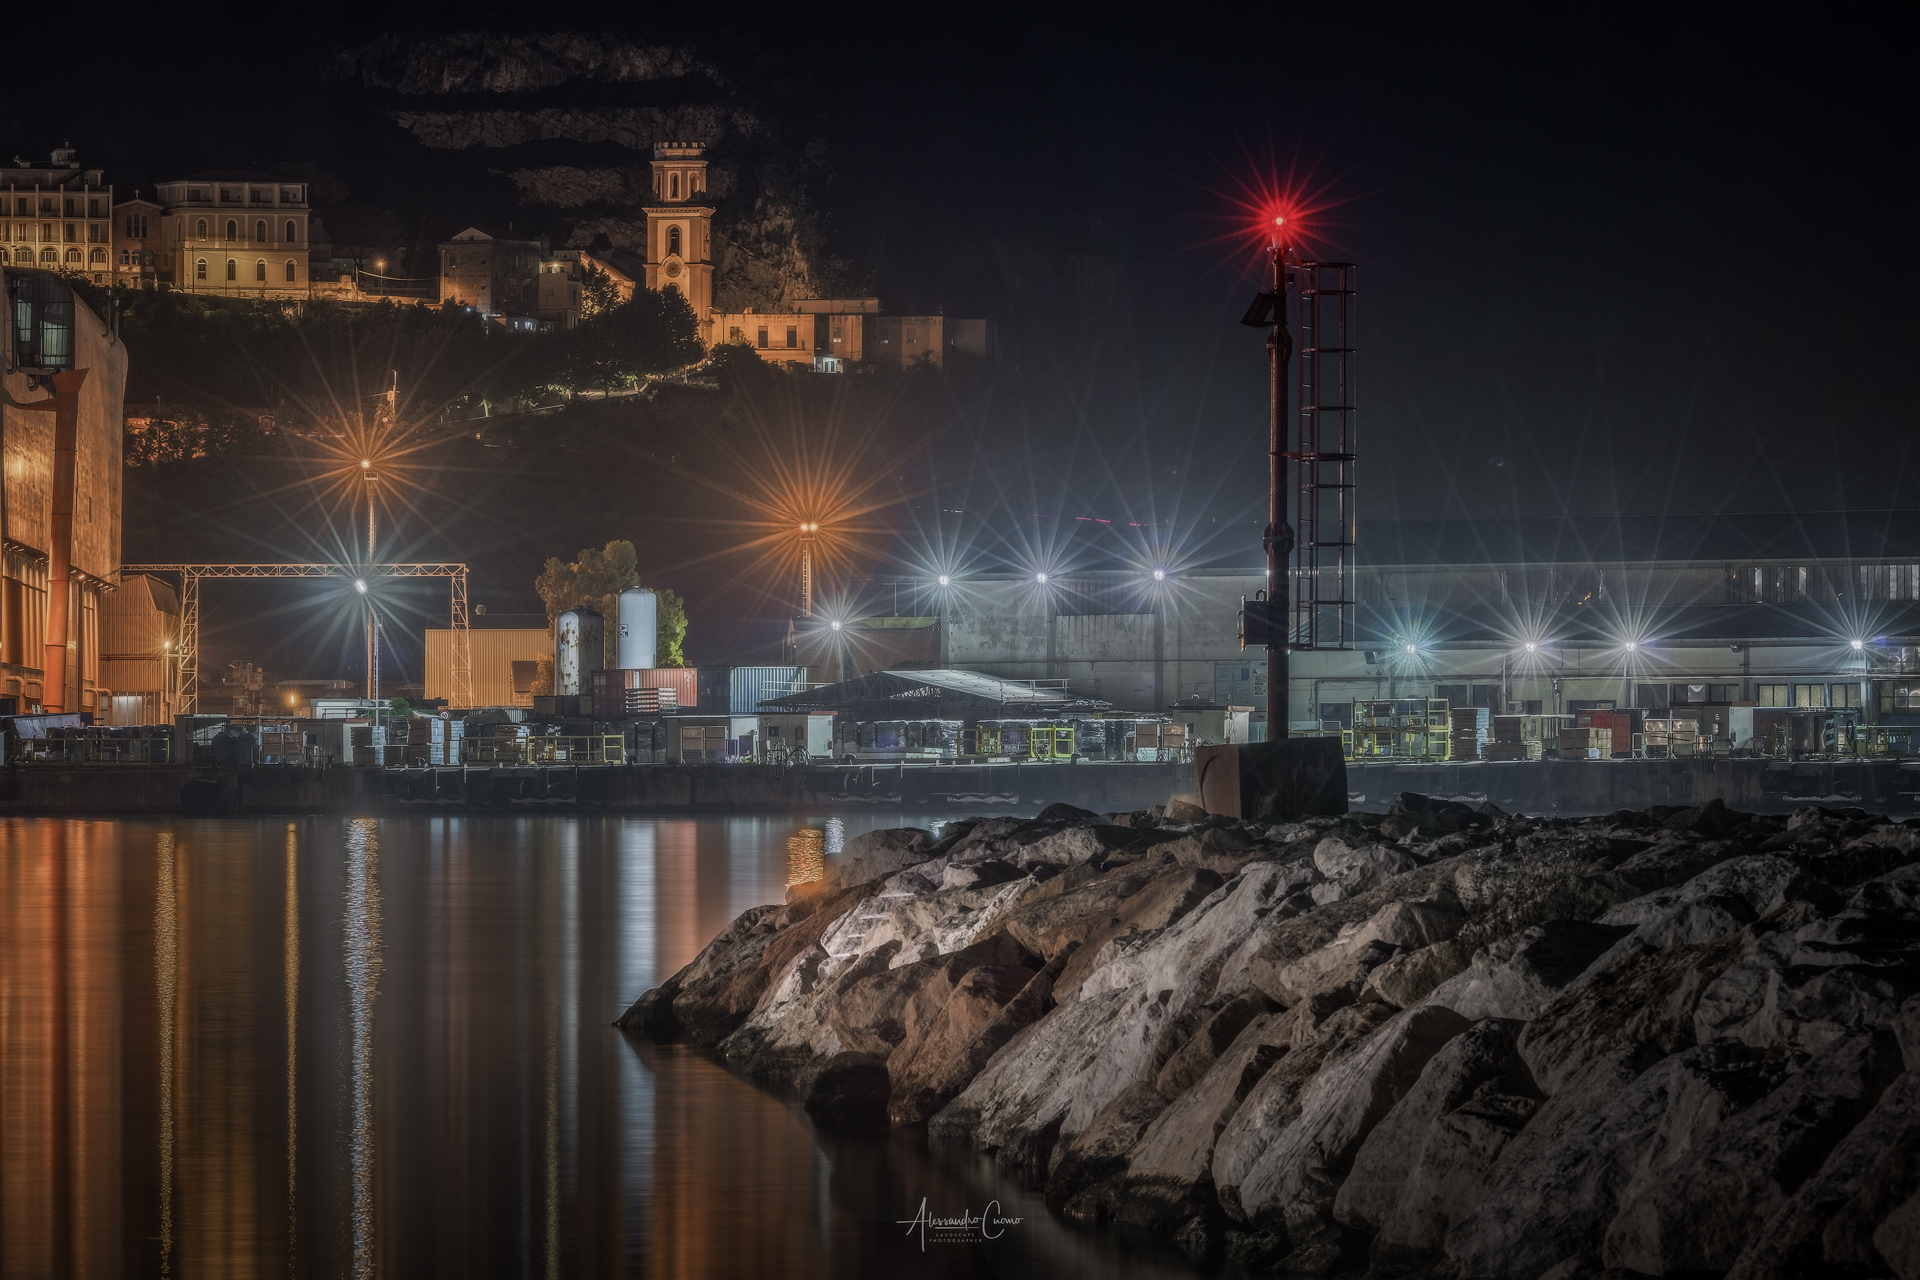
[234, 233]
[57, 216]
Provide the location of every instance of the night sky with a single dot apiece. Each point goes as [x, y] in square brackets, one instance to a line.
[1634, 259]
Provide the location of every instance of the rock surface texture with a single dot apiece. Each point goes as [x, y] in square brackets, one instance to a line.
[1445, 1042]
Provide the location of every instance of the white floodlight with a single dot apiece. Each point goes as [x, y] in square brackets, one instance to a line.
[945, 581]
[1040, 578]
[360, 585]
[835, 624]
[1159, 575]
[1858, 645]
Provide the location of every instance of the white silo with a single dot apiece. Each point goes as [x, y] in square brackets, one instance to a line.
[639, 628]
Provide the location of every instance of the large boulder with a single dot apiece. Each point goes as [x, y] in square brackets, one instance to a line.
[924, 1081]
[1098, 1152]
[1158, 904]
[1701, 1212]
[1829, 1224]
[874, 855]
[850, 1089]
[1169, 1174]
[1425, 1165]
[1558, 1184]
[1519, 976]
[1049, 926]
[1275, 1103]
[1192, 1060]
[1356, 866]
[1409, 978]
[1294, 1182]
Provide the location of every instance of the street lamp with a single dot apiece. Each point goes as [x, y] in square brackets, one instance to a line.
[945, 581]
[1040, 578]
[1159, 575]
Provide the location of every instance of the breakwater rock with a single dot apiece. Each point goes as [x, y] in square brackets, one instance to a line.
[1444, 1041]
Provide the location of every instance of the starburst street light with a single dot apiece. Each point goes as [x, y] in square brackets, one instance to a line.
[945, 581]
[1159, 575]
[360, 585]
[1040, 578]
[1858, 645]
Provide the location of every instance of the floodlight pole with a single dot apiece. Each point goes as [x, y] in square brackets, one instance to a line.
[1279, 535]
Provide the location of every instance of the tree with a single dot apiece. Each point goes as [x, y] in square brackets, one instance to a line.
[595, 581]
[598, 293]
[654, 331]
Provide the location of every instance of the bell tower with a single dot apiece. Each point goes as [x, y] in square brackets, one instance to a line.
[680, 226]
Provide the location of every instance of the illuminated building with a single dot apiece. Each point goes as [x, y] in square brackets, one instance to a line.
[57, 216]
[65, 379]
[236, 234]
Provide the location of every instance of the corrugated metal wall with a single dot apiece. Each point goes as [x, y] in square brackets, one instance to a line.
[493, 651]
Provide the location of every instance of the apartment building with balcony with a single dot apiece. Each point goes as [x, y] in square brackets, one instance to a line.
[56, 216]
[234, 233]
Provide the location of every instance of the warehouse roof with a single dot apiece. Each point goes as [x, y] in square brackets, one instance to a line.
[908, 694]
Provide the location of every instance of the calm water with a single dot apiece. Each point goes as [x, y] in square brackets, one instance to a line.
[359, 1047]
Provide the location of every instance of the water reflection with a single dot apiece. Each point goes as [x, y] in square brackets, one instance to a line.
[381, 1048]
[806, 855]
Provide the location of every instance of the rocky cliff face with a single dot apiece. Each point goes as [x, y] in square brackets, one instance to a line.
[1449, 1042]
[514, 104]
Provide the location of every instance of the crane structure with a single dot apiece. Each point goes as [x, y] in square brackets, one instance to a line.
[187, 647]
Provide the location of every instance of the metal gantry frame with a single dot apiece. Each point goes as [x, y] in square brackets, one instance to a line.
[1326, 440]
[187, 647]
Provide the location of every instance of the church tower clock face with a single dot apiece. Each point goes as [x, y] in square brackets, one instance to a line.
[673, 269]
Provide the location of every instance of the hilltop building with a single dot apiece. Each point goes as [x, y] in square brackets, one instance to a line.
[231, 233]
[823, 333]
[57, 216]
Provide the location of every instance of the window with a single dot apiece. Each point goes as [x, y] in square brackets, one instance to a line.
[73, 232]
[292, 235]
[96, 233]
[673, 187]
[233, 229]
[93, 208]
[123, 258]
[793, 336]
[233, 269]
[49, 254]
[260, 270]
[1810, 695]
[1723, 693]
[46, 204]
[673, 240]
[70, 205]
[73, 255]
[22, 206]
[1772, 695]
[1901, 695]
[763, 338]
[260, 230]
[1652, 697]
[98, 256]
[1688, 693]
[200, 228]
[290, 278]
[1844, 696]
[734, 334]
[912, 336]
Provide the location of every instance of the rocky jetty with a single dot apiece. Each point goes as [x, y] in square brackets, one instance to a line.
[1445, 1041]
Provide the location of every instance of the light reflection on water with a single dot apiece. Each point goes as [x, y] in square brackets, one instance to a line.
[428, 1085]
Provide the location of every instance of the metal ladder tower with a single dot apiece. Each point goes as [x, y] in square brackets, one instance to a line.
[1326, 440]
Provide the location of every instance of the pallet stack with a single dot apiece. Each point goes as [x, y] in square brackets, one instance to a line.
[1673, 737]
[1586, 744]
[1468, 730]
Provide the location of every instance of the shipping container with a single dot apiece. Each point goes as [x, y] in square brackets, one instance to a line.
[684, 681]
[750, 686]
[713, 691]
[502, 662]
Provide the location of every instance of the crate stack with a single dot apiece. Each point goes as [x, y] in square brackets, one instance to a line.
[1468, 731]
[1510, 740]
[1402, 728]
[282, 743]
[433, 741]
[1674, 737]
[1586, 743]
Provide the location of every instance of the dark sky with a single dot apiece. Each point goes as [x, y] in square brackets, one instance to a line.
[1612, 258]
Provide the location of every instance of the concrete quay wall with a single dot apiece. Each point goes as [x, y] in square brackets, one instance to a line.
[1568, 788]
[1584, 788]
